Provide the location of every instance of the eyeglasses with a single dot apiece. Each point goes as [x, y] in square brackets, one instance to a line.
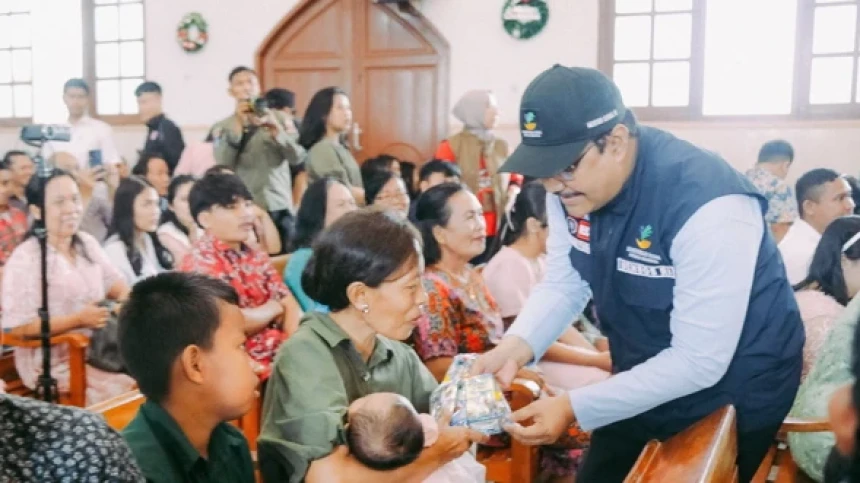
[567, 174]
[854, 239]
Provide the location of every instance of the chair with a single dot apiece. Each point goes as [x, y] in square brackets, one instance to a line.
[517, 463]
[250, 423]
[706, 452]
[120, 410]
[778, 466]
[77, 343]
[280, 263]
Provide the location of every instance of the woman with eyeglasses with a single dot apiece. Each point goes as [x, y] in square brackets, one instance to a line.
[830, 317]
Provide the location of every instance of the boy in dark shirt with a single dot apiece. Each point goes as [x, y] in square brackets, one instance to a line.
[182, 338]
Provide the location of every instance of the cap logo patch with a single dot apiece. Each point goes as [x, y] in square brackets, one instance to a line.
[601, 120]
[530, 124]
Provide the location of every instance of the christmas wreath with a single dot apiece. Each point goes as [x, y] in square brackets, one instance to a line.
[193, 32]
[523, 19]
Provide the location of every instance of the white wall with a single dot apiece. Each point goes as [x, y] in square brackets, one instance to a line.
[482, 56]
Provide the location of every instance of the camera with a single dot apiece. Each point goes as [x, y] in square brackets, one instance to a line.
[259, 106]
[45, 132]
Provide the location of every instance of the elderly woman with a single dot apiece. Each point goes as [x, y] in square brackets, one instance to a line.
[462, 316]
[81, 276]
[479, 153]
[366, 268]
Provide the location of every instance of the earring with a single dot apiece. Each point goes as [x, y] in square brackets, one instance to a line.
[365, 309]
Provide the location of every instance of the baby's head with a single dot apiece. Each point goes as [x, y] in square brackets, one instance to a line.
[384, 432]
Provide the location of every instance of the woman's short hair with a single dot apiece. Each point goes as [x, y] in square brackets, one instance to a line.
[432, 210]
[366, 246]
[310, 219]
[530, 203]
[826, 267]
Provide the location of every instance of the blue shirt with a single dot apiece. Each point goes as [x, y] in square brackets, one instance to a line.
[293, 278]
[711, 296]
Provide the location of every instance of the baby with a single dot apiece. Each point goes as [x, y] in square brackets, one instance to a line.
[385, 432]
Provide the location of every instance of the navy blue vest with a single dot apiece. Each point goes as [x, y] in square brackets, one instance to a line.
[626, 260]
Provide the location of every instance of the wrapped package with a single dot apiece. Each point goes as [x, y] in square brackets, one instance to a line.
[476, 402]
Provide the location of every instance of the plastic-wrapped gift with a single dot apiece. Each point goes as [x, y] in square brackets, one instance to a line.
[473, 401]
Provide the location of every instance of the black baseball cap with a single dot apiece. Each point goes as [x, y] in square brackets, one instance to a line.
[561, 111]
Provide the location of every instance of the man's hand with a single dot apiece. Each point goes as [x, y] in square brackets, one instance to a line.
[454, 441]
[504, 361]
[550, 418]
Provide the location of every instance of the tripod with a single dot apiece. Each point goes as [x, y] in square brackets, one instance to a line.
[46, 387]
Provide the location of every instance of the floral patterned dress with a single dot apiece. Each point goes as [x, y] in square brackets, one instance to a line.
[71, 286]
[462, 318]
[251, 273]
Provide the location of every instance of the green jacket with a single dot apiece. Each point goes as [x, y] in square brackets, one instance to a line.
[831, 370]
[256, 158]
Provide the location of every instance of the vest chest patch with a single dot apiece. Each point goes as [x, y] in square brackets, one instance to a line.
[580, 233]
[641, 270]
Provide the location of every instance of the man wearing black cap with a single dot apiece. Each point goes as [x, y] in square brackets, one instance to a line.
[670, 243]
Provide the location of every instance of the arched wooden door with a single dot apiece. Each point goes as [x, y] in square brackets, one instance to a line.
[391, 60]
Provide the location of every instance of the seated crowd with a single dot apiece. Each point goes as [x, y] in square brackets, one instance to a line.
[385, 273]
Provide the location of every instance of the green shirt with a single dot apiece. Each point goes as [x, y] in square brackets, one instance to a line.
[257, 158]
[831, 370]
[327, 158]
[317, 374]
[166, 456]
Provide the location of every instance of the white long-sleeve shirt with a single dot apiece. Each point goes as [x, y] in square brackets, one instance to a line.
[714, 256]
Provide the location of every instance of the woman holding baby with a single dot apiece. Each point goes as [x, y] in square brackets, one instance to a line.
[367, 269]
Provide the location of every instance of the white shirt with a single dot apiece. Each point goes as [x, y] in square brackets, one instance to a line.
[118, 256]
[88, 134]
[712, 290]
[797, 248]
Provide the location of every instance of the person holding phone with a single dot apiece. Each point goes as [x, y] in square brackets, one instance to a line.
[88, 134]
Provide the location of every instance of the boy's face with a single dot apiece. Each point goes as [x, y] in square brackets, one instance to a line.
[231, 382]
[233, 223]
[77, 101]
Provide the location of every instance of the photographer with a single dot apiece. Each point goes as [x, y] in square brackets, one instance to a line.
[255, 141]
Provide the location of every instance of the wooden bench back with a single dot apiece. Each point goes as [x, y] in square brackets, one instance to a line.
[120, 410]
[703, 453]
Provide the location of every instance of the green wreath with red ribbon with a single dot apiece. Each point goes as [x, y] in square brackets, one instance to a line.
[192, 33]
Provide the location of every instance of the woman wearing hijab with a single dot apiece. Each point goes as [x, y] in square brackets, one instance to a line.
[479, 153]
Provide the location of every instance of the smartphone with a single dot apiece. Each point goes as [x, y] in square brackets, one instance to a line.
[96, 158]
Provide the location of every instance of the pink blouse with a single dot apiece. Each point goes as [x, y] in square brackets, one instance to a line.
[510, 276]
[71, 286]
[818, 312]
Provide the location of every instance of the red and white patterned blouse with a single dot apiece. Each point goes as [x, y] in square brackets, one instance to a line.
[250, 272]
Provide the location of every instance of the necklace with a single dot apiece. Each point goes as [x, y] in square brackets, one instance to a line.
[465, 282]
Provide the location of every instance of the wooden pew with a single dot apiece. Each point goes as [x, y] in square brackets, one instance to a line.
[280, 263]
[77, 344]
[703, 453]
[120, 410]
[518, 463]
[778, 466]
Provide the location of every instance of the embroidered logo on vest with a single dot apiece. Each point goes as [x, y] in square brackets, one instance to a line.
[645, 233]
[580, 232]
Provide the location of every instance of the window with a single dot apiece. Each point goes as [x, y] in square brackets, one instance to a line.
[117, 61]
[16, 61]
[699, 59]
